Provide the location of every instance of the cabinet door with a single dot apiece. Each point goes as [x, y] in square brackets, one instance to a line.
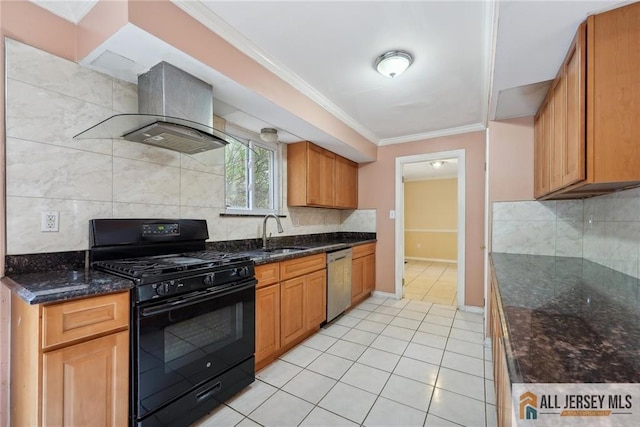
[316, 299]
[614, 94]
[87, 384]
[369, 273]
[292, 301]
[559, 100]
[314, 175]
[357, 279]
[327, 178]
[541, 154]
[320, 171]
[346, 183]
[267, 321]
[574, 149]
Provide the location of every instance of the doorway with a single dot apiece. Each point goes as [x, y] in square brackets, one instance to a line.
[430, 231]
[430, 247]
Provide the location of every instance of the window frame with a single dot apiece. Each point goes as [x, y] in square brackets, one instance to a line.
[275, 147]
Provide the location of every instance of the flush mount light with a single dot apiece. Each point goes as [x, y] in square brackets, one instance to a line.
[437, 164]
[269, 134]
[393, 63]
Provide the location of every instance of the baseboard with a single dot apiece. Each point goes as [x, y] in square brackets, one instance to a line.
[473, 309]
[384, 294]
[449, 261]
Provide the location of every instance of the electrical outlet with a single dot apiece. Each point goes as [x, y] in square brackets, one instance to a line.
[49, 221]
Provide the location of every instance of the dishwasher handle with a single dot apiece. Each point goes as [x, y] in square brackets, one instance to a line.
[338, 255]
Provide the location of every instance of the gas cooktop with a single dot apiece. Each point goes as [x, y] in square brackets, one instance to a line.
[167, 264]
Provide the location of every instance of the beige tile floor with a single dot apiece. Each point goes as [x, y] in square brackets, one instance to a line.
[435, 282]
[387, 362]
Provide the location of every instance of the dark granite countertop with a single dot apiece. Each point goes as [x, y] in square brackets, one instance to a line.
[267, 257]
[568, 320]
[57, 286]
[55, 277]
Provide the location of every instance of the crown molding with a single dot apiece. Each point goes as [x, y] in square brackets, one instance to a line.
[70, 11]
[434, 134]
[212, 21]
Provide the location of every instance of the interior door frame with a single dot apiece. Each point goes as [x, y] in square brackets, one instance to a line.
[399, 211]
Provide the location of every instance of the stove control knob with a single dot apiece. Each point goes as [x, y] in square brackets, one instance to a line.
[210, 279]
[242, 272]
[163, 288]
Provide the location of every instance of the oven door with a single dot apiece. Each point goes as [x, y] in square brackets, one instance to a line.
[181, 343]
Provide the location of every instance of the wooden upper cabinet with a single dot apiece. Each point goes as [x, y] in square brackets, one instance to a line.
[346, 183]
[320, 170]
[558, 134]
[318, 177]
[574, 148]
[541, 154]
[613, 90]
[596, 104]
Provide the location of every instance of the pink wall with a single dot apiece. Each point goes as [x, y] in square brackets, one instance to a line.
[102, 21]
[511, 159]
[377, 191]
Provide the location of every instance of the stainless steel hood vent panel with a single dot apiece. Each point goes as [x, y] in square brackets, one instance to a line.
[175, 112]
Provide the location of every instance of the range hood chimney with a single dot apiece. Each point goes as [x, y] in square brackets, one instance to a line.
[175, 112]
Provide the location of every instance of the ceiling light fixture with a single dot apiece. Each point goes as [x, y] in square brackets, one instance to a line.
[269, 134]
[393, 63]
[437, 164]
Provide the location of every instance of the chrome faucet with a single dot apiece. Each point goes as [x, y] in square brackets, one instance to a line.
[264, 228]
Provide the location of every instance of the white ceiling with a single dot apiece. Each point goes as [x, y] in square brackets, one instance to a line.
[474, 60]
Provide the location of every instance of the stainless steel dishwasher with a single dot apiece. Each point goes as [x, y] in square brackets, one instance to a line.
[338, 282]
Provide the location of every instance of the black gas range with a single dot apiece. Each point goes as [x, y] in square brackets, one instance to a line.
[192, 316]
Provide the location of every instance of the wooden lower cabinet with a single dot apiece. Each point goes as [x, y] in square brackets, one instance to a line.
[291, 302]
[70, 362]
[502, 382]
[315, 299]
[363, 272]
[357, 279]
[267, 321]
[369, 273]
[84, 385]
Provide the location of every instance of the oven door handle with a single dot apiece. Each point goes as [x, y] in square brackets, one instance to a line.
[196, 299]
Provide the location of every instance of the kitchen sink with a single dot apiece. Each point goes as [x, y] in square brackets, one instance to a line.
[285, 249]
[282, 250]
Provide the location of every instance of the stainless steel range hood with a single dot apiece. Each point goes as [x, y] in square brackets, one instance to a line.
[175, 112]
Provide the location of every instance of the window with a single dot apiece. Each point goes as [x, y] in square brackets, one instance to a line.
[251, 177]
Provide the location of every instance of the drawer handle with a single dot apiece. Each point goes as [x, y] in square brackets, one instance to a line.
[206, 394]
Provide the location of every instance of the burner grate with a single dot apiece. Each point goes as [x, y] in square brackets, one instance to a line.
[166, 264]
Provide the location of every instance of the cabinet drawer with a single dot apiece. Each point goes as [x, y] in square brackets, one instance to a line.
[299, 266]
[363, 250]
[267, 274]
[74, 320]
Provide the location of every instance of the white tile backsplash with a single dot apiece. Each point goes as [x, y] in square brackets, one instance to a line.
[23, 223]
[49, 100]
[604, 229]
[30, 65]
[37, 114]
[41, 170]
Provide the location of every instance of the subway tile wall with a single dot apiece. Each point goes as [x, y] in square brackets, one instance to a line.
[50, 99]
[604, 229]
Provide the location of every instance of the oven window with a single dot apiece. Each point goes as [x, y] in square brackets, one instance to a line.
[195, 337]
